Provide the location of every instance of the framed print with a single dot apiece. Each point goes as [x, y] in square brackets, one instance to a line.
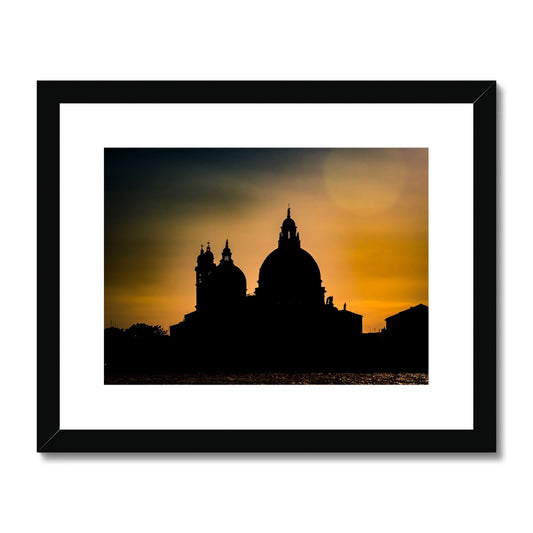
[268, 266]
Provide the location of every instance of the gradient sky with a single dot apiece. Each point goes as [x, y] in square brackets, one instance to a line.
[361, 212]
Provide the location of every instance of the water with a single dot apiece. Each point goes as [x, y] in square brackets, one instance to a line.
[318, 378]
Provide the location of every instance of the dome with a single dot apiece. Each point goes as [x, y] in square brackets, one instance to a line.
[290, 276]
[287, 263]
[228, 277]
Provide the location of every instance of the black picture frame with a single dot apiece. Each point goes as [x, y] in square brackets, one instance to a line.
[482, 96]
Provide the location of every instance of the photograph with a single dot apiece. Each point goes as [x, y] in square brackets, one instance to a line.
[266, 266]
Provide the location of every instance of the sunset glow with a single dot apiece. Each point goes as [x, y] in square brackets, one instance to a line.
[361, 213]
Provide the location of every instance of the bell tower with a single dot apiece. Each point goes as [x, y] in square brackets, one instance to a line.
[204, 267]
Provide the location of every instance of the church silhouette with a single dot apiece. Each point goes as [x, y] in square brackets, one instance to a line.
[286, 325]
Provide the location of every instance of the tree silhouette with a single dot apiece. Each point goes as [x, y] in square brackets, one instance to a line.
[145, 331]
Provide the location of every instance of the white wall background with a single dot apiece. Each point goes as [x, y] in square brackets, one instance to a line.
[274, 40]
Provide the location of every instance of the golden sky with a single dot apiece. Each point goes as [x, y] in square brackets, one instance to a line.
[361, 213]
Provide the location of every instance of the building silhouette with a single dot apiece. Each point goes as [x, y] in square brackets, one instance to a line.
[412, 322]
[289, 288]
[285, 325]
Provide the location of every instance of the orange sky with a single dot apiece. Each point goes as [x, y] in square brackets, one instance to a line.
[361, 213]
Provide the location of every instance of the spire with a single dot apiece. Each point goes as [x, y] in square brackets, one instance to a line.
[289, 211]
[208, 246]
[201, 257]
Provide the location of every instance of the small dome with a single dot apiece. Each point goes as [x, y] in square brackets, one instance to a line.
[227, 283]
[227, 272]
[288, 225]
